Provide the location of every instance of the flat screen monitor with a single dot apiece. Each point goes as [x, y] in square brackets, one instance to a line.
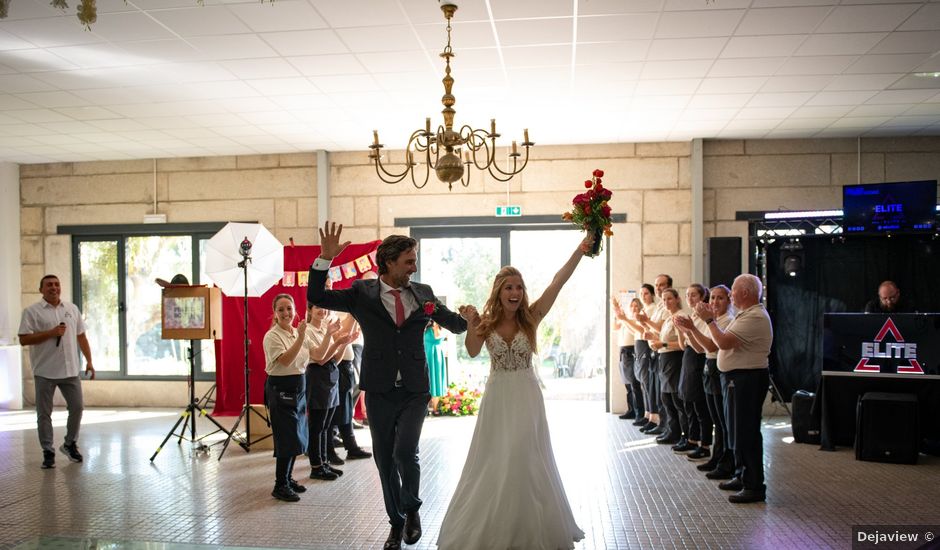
[902, 207]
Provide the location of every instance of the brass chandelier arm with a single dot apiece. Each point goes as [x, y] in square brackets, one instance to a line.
[446, 151]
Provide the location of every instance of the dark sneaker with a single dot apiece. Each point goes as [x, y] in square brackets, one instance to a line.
[48, 460]
[336, 471]
[285, 493]
[71, 451]
[322, 472]
[335, 459]
[357, 452]
[296, 487]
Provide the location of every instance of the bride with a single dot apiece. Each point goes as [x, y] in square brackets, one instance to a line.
[510, 495]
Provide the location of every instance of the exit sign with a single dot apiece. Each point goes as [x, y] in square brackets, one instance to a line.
[511, 210]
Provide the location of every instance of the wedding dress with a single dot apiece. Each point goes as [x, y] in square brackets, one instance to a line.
[510, 494]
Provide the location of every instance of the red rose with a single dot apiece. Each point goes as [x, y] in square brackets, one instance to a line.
[429, 308]
[588, 184]
[587, 208]
[598, 173]
[605, 211]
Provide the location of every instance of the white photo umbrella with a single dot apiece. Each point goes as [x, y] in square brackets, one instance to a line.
[223, 256]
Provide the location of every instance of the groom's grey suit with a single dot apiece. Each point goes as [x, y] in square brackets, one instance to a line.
[396, 408]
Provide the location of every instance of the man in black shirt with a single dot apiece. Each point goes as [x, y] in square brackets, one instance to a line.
[888, 300]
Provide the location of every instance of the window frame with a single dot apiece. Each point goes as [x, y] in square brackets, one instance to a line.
[119, 233]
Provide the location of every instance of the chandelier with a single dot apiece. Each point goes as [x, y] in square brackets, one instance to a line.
[442, 149]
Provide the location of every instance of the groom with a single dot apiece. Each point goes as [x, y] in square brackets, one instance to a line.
[393, 313]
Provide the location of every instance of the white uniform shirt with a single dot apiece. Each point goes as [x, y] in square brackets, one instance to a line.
[752, 327]
[47, 359]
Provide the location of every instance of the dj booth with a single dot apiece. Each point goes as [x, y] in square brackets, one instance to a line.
[896, 353]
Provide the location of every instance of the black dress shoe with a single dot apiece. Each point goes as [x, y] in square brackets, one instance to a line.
[748, 495]
[667, 439]
[648, 427]
[658, 430]
[708, 466]
[683, 446]
[641, 421]
[357, 452]
[393, 542]
[629, 415]
[733, 484]
[699, 453]
[720, 473]
[335, 459]
[412, 527]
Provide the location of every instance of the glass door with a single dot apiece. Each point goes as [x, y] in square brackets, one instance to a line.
[98, 294]
[460, 270]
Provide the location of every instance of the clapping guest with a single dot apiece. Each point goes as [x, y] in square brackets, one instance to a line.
[285, 362]
[691, 389]
[627, 327]
[322, 377]
[343, 416]
[670, 365]
[644, 368]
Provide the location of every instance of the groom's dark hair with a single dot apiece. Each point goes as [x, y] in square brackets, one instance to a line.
[391, 248]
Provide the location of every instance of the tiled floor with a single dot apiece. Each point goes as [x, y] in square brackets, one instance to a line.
[626, 491]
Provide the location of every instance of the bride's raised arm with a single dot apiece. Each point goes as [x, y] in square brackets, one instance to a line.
[540, 307]
[473, 341]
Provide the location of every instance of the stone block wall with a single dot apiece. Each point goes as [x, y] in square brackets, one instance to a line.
[651, 184]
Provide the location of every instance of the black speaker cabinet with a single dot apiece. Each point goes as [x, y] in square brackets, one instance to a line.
[723, 260]
[887, 428]
[805, 425]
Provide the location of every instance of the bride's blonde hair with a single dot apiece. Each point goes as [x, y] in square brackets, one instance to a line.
[493, 311]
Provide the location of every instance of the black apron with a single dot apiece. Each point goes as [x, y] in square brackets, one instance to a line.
[690, 379]
[287, 410]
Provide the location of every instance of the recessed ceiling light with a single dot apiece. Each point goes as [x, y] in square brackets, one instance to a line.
[927, 75]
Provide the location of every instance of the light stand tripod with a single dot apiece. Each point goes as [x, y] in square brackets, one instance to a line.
[189, 414]
[244, 440]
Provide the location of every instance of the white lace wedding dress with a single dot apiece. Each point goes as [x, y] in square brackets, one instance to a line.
[510, 495]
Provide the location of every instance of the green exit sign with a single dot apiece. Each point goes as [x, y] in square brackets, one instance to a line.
[511, 210]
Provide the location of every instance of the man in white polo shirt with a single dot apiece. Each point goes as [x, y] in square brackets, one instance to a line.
[742, 359]
[54, 331]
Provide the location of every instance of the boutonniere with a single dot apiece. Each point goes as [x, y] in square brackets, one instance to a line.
[429, 307]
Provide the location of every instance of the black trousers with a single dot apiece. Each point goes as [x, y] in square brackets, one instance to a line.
[395, 421]
[670, 409]
[646, 374]
[750, 389]
[320, 435]
[716, 411]
[632, 383]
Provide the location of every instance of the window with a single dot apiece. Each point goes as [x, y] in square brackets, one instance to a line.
[114, 268]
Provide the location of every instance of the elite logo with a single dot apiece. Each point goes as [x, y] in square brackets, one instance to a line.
[887, 350]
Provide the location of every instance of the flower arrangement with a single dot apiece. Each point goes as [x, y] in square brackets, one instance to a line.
[459, 401]
[591, 212]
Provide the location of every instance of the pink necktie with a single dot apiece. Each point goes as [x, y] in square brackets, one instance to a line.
[399, 307]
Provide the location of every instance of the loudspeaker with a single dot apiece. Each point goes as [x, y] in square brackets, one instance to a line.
[805, 425]
[886, 428]
[722, 260]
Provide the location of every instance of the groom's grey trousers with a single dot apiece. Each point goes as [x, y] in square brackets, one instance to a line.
[395, 421]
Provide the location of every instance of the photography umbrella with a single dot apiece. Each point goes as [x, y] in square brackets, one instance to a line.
[223, 256]
[244, 259]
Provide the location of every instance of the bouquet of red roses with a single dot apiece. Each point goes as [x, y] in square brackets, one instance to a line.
[591, 212]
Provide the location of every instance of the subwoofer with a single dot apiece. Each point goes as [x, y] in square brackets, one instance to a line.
[887, 428]
[805, 425]
[723, 260]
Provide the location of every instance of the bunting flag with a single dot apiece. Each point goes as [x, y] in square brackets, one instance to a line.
[364, 264]
[349, 270]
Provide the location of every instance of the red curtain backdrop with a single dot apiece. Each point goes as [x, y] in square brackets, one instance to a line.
[230, 351]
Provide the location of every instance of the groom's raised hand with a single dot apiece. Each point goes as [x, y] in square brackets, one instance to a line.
[330, 247]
